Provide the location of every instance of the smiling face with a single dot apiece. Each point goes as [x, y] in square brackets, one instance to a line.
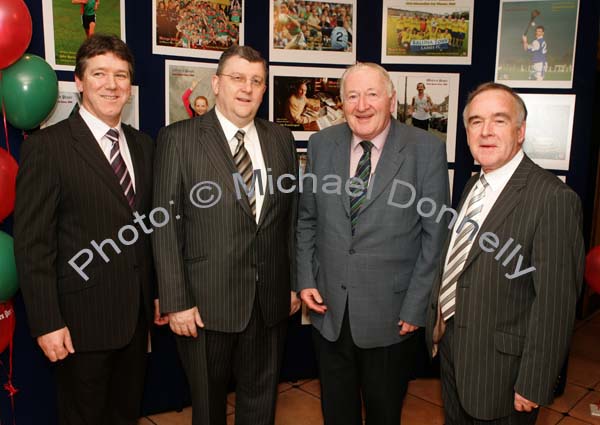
[200, 106]
[494, 132]
[105, 86]
[539, 32]
[367, 104]
[239, 100]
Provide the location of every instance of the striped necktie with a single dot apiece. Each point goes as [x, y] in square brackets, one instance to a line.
[460, 251]
[118, 165]
[363, 172]
[243, 163]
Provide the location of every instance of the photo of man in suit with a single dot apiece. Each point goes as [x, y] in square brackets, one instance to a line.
[503, 303]
[81, 180]
[365, 267]
[226, 270]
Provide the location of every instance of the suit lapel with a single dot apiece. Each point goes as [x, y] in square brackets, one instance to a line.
[269, 158]
[87, 147]
[217, 148]
[390, 161]
[341, 163]
[506, 202]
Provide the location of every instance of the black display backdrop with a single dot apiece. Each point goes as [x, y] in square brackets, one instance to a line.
[165, 387]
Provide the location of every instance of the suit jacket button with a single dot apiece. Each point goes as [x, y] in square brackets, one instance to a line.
[352, 252]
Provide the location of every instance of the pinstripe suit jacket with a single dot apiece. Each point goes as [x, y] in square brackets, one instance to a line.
[513, 335]
[67, 196]
[218, 258]
[385, 271]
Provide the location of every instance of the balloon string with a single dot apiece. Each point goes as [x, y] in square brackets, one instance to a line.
[8, 386]
[4, 117]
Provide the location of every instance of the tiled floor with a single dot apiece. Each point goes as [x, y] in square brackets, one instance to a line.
[299, 403]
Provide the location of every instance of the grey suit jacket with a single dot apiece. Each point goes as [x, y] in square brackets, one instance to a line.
[67, 197]
[385, 272]
[513, 334]
[218, 258]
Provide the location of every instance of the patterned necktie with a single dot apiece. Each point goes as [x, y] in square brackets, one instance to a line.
[119, 167]
[243, 163]
[460, 251]
[363, 172]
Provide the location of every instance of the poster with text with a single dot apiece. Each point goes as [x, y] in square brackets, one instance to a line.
[313, 31]
[429, 101]
[188, 90]
[67, 23]
[196, 28]
[427, 31]
[536, 43]
[69, 101]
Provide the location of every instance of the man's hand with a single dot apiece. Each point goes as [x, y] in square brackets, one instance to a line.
[184, 322]
[406, 328]
[313, 300]
[524, 405]
[56, 345]
[295, 303]
[159, 319]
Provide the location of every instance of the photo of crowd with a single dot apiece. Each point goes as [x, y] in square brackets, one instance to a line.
[312, 25]
[210, 25]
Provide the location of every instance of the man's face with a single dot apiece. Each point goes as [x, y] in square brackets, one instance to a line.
[200, 106]
[301, 92]
[105, 87]
[539, 33]
[420, 88]
[367, 105]
[493, 130]
[239, 92]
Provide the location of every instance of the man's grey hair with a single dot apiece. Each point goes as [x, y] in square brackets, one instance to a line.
[361, 65]
[519, 104]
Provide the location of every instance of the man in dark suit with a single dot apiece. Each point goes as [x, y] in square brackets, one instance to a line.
[225, 261]
[503, 304]
[80, 182]
[366, 256]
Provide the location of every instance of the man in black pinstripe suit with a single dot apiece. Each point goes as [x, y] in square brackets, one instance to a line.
[503, 305]
[225, 268]
[82, 180]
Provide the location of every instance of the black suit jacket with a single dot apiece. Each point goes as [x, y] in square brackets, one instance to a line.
[513, 334]
[67, 197]
[218, 258]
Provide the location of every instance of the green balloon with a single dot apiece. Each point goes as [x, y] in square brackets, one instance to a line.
[8, 268]
[29, 90]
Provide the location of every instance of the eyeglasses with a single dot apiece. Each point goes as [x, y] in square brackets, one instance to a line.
[241, 80]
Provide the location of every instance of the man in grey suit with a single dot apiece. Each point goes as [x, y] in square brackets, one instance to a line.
[225, 260]
[366, 258]
[503, 304]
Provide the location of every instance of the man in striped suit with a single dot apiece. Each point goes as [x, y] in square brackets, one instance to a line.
[503, 305]
[225, 268]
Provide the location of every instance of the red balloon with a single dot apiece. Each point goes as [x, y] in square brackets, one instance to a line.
[15, 31]
[8, 180]
[7, 324]
[592, 269]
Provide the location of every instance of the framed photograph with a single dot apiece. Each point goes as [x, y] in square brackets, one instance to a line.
[301, 155]
[305, 99]
[549, 129]
[188, 90]
[536, 43]
[313, 31]
[67, 23]
[451, 182]
[427, 32]
[69, 101]
[196, 28]
[429, 101]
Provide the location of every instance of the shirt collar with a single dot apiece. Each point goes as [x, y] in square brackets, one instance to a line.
[98, 127]
[378, 141]
[230, 128]
[497, 179]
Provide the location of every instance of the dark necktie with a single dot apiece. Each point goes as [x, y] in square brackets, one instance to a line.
[363, 172]
[243, 163]
[118, 165]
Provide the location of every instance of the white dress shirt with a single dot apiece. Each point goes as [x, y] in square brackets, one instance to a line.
[252, 145]
[99, 129]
